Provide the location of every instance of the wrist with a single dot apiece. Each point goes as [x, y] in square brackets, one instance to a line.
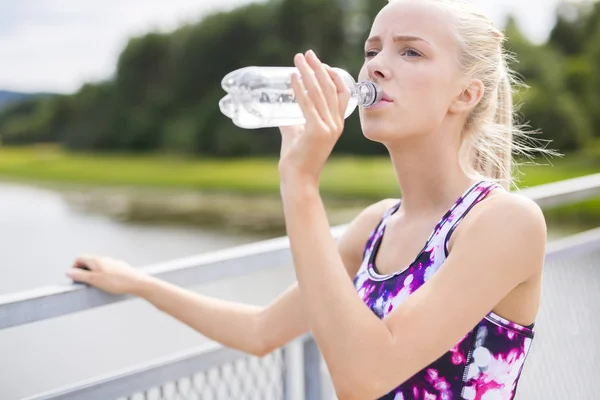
[295, 182]
[142, 285]
[299, 189]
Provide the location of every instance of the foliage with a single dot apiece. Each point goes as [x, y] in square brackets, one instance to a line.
[165, 92]
[372, 177]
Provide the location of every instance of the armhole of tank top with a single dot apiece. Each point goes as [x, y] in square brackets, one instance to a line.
[488, 189]
[380, 225]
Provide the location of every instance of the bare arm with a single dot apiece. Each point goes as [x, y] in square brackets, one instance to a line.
[233, 324]
[494, 253]
[284, 319]
[252, 329]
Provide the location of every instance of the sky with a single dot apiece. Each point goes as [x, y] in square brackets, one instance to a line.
[57, 45]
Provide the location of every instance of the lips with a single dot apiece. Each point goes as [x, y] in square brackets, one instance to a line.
[385, 97]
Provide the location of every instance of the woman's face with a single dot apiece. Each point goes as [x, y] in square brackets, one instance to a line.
[411, 53]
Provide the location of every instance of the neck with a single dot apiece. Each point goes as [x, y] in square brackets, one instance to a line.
[428, 173]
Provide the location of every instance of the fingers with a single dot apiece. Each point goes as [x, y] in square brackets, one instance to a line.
[342, 92]
[313, 88]
[88, 262]
[80, 275]
[327, 85]
[84, 269]
[306, 104]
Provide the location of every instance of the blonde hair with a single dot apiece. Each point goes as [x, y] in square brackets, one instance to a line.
[490, 136]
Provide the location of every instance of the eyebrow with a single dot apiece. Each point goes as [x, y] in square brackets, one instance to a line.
[398, 38]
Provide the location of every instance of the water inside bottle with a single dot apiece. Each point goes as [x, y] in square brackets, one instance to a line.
[263, 97]
[266, 109]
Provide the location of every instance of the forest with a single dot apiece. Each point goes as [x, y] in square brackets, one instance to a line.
[163, 96]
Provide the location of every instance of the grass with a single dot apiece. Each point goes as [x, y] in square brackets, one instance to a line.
[350, 179]
[343, 176]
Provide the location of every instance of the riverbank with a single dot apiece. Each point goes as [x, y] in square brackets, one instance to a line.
[242, 194]
[364, 177]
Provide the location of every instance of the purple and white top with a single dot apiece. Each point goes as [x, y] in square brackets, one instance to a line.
[485, 364]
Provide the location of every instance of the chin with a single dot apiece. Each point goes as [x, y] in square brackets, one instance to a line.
[382, 124]
[381, 131]
[389, 128]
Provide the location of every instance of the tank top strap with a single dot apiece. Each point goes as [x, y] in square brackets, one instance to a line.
[461, 208]
[444, 228]
[378, 230]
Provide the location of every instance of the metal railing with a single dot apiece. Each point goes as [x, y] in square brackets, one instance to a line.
[296, 370]
[563, 362]
[239, 378]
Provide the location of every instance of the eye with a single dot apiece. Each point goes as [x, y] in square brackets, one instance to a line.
[411, 52]
[370, 53]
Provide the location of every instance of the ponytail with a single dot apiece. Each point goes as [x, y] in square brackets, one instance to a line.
[487, 148]
[498, 166]
[504, 118]
[490, 136]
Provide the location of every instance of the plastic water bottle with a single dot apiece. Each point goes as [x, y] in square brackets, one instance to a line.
[260, 97]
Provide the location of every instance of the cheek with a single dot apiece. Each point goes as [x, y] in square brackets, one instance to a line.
[428, 89]
[363, 74]
[422, 83]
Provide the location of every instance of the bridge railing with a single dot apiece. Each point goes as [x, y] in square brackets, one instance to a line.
[296, 370]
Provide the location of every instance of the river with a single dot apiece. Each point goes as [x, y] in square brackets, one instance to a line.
[41, 235]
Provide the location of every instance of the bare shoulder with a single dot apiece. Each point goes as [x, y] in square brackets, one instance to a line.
[510, 211]
[352, 242]
[506, 222]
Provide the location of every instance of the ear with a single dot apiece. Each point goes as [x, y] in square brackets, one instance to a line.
[468, 98]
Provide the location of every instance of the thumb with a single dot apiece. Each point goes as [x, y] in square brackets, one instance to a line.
[289, 130]
[79, 274]
[87, 262]
[289, 135]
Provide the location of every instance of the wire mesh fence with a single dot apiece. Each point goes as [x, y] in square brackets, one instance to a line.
[563, 363]
[248, 378]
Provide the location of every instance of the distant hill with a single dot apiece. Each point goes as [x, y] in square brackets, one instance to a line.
[7, 96]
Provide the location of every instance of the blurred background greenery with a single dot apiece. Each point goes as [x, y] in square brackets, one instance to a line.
[156, 122]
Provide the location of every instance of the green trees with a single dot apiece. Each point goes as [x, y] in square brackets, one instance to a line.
[563, 99]
[165, 91]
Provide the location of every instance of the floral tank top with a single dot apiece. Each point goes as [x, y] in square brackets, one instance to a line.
[486, 363]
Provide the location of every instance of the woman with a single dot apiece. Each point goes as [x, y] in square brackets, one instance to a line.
[448, 278]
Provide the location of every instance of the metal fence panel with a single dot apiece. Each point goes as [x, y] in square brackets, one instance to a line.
[247, 378]
[564, 363]
[209, 373]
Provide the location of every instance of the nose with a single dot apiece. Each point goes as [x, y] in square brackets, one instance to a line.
[377, 71]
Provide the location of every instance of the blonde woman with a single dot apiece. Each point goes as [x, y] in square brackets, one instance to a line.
[433, 296]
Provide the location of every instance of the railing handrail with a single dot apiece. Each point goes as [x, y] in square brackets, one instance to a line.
[186, 363]
[52, 301]
[564, 192]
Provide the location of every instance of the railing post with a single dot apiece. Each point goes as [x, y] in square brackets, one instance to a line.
[312, 370]
[286, 377]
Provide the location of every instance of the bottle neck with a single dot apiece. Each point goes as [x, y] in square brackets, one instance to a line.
[367, 93]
